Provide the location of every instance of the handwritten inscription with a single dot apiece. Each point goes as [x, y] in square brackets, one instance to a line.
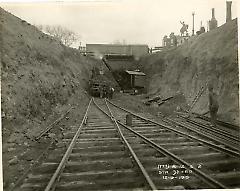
[173, 171]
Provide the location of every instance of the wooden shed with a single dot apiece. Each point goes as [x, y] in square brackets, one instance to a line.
[135, 79]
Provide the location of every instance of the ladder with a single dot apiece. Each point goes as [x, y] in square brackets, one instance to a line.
[198, 95]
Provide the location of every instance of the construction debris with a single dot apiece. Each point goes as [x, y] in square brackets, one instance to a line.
[157, 99]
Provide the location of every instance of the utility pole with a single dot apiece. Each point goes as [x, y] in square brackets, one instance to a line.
[193, 13]
[80, 47]
[229, 11]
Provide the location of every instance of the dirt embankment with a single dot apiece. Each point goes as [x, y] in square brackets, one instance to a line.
[186, 69]
[38, 75]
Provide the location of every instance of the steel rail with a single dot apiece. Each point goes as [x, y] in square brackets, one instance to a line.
[49, 127]
[219, 122]
[214, 146]
[219, 136]
[31, 166]
[210, 181]
[67, 153]
[205, 118]
[207, 179]
[213, 129]
[216, 138]
[144, 172]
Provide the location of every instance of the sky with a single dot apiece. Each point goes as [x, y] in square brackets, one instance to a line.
[129, 21]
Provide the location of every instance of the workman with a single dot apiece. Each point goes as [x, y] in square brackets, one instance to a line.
[101, 91]
[111, 90]
[104, 91]
[213, 105]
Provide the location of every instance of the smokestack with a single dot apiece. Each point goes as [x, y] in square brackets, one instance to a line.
[213, 21]
[229, 11]
[213, 13]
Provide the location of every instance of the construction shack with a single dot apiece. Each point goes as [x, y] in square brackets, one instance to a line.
[134, 80]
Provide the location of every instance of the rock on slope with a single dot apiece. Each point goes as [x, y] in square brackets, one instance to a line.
[38, 73]
[185, 69]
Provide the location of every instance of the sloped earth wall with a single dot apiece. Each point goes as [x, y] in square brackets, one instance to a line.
[40, 80]
[38, 73]
[186, 69]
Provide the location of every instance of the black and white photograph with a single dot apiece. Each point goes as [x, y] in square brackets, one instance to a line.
[122, 95]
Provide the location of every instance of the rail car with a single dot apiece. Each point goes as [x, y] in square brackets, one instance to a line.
[96, 86]
[97, 83]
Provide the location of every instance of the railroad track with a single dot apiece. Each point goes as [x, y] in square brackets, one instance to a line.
[217, 162]
[229, 137]
[222, 136]
[219, 122]
[96, 158]
[51, 126]
[48, 137]
[204, 121]
[105, 154]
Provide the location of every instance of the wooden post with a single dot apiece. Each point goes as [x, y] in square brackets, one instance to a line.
[129, 119]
